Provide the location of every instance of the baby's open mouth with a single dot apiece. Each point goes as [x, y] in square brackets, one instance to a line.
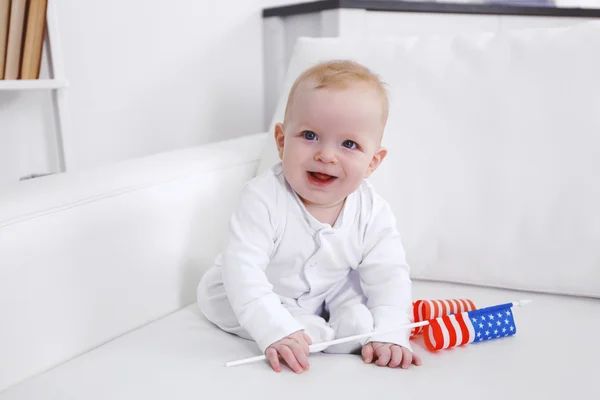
[321, 177]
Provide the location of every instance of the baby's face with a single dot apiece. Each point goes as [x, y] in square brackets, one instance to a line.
[331, 142]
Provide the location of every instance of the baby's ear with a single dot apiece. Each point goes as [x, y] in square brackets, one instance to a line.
[376, 161]
[279, 138]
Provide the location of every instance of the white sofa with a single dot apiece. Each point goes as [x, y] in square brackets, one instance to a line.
[493, 173]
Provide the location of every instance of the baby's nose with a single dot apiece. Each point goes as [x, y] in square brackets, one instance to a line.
[326, 155]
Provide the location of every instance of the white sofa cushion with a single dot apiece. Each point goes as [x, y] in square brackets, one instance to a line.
[493, 168]
[182, 356]
[88, 256]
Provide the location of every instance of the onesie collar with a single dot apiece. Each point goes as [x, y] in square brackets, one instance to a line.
[342, 221]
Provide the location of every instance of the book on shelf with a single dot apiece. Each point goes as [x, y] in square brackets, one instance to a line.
[34, 39]
[4, 17]
[21, 46]
[16, 26]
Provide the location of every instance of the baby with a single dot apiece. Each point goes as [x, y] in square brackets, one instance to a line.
[313, 252]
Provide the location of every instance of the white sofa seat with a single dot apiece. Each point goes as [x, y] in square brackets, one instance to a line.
[182, 356]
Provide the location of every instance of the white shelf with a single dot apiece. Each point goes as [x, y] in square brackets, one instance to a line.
[56, 84]
[32, 84]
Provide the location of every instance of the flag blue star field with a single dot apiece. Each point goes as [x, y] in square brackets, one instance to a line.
[470, 327]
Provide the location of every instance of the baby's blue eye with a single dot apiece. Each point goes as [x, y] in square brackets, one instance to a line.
[349, 144]
[309, 135]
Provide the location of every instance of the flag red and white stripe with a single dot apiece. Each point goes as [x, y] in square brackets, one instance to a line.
[424, 310]
[449, 331]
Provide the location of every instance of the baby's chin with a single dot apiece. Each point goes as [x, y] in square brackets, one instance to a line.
[320, 201]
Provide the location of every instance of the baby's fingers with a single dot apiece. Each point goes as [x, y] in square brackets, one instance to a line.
[367, 353]
[307, 338]
[407, 358]
[273, 358]
[301, 354]
[397, 356]
[417, 360]
[383, 354]
[290, 358]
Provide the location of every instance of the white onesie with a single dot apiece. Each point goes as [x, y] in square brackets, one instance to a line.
[282, 269]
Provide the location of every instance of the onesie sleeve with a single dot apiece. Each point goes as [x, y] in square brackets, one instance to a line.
[385, 276]
[251, 242]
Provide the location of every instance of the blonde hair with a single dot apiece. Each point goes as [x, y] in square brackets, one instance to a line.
[339, 74]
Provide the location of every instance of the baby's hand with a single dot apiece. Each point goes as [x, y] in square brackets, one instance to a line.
[293, 349]
[389, 354]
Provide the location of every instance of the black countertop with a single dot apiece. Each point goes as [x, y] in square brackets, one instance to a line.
[431, 7]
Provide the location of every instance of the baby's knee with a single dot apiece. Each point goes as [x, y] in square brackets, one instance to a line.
[317, 328]
[212, 299]
[314, 325]
[351, 320]
[355, 318]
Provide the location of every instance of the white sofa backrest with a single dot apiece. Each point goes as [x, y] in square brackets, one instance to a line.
[88, 256]
[493, 168]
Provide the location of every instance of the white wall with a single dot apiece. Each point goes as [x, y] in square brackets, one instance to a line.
[145, 76]
[578, 3]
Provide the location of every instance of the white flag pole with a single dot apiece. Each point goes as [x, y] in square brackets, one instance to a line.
[315, 348]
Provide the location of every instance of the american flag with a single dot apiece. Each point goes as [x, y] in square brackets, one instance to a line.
[470, 327]
[424, 310]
